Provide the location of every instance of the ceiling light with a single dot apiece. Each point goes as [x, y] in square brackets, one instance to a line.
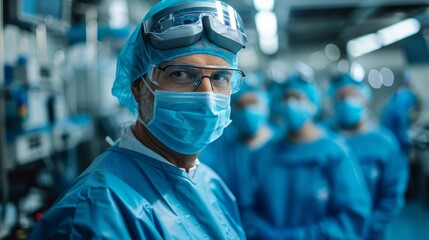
[266, 24]
[263, 5]
[387, 77]
[398, 31]
[269, 45]
[332, 52]
[343, 66]
[118, 12]
[363, 45]
[374, 79]
[357, 71]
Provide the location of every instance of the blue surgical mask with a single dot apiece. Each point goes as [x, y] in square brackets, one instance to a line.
[249, 119]
[296, 114]
[349, 112]
[187, 122]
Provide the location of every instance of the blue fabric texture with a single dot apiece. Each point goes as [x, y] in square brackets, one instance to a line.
[311, 190]
[386, 173]
[230, 158]
[127, 195]
[137, 56]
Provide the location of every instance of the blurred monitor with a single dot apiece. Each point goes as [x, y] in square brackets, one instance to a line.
[55, 14]
[416, 49]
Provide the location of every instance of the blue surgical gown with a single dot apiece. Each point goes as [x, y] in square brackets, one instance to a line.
[386, 173]
[230, 157]
[310, 190]
[127, 195]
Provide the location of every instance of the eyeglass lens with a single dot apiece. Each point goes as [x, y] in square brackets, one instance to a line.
[188, 78]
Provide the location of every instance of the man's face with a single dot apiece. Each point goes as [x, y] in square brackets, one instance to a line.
[146, 98]
[298, 96]
[349, 92]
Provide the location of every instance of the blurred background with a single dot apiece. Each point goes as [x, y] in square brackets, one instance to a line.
[58, 60]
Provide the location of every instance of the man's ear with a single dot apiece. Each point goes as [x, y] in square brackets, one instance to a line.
[136, 88]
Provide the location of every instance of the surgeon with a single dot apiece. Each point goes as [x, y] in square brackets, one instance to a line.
[400, 111]
[230, 155]
[306, 185]
[177, 73]
[379, 154]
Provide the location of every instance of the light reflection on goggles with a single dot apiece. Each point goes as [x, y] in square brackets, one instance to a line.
[182, 25]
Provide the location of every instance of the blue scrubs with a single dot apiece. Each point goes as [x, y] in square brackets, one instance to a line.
[127, 195]
[308, 190]
[386, 173]
[230, 158]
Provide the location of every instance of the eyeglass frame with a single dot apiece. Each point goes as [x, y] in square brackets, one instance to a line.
[198, 66]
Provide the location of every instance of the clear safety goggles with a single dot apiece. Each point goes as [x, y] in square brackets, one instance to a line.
[184, 77]
[183, 25]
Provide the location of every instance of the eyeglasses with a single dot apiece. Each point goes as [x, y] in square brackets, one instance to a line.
[187, 78]
[183, 24]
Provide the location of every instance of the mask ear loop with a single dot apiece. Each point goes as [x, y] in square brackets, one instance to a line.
[151, 90]
[147, 85]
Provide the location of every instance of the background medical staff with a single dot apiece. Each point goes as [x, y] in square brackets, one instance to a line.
[306, 185]
[381, 159]
[399, 112]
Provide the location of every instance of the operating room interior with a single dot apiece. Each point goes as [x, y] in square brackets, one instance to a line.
[58, 63]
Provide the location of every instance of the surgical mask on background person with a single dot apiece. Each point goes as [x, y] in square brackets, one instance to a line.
[250, 119]
[349, 112]
[296, 113]
[187, 122]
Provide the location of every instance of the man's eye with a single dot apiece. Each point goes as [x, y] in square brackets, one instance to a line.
[221, 76]
[180, 75]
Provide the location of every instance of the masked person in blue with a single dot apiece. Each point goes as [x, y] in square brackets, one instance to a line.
[401, 109]
[177, 72]
[380, 157]
[306, 185]
[230, 155]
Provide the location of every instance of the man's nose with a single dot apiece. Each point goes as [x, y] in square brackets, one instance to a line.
[205, 85]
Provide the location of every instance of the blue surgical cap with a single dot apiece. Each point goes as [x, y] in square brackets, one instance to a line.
[345, 79]
[306, 86]
[137, 56]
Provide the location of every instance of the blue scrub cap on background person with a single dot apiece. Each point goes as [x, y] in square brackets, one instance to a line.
[345, 79]
[306, 86]
[137, 56]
